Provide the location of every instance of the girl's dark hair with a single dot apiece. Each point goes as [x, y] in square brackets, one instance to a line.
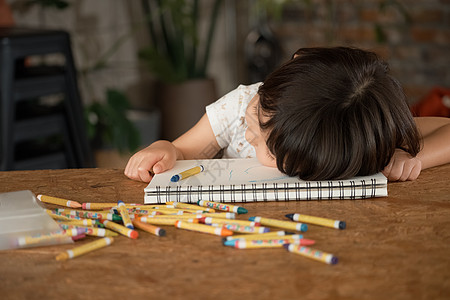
[335, 113]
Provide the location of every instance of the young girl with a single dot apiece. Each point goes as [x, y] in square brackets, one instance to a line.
[329, 113]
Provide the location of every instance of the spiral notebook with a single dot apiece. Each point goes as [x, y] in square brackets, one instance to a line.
[246, 180]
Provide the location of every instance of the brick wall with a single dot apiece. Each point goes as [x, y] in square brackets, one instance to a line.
[418, 50]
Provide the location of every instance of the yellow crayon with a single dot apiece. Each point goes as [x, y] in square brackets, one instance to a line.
[221, 215]
[59, 236]
[163, 221]
[188, 173]
[144, 206]
[82, 222]
[94, 231]
[222, 206]
[56, 216]
[121, 229]
[312, 253]
[210, 220]
[280, 223]
[317, 221]
[269, 243]
[59, 201]
[229, 216]
[149, 228]
[100, 206]
[255, 236]
[147, 213]
[177, 217]
[191, 206]
[124, 214]
[97, 206]
[86, 248]
[166, 211]
[96, 215]
[241, 228]
[203, 228]
[170, 209]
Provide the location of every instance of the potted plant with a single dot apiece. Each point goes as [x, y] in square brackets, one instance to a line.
[178, 57]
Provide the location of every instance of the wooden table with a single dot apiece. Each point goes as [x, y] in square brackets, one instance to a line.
[397, 247]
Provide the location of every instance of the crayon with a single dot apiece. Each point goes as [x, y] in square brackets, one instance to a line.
[168, 210]
[66, 226]
[242, 228]
[221, 215]
[61, 217]
[222, 206]
[312, 253]
[210, 220]
[256, 236]
[124, 214]
[187, 205]
[317, 221]
[86, 248]
[96, 206]
[100, 206]
[82, 222]
[79, 214]
[145, 212]
[177, 217]
[188, 173]
[59, 201]
[269, 243]
[163, 221]
[165, 211]
[203, 228]
[74, 231]
[78, 237]
[228, 216]
[93, 231]
[144, 206]
[96, 215]
[28, 240]
[289, 225]
[149, 228]
[195, 209]
[121, 229]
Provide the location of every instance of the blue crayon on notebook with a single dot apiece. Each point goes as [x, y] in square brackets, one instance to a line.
[187, 173]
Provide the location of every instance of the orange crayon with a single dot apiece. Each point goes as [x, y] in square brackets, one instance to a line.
[203, 228]
[149, 228]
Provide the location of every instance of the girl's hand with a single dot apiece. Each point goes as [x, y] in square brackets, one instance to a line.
[156, 158]
[402, 167]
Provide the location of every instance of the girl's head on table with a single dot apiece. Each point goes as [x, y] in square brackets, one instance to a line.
[330, 113]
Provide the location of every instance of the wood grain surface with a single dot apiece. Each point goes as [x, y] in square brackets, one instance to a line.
[396, 247]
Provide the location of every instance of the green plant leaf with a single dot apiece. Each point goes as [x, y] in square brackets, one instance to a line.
[107, 123]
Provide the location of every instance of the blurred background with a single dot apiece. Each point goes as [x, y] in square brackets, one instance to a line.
[146, 69]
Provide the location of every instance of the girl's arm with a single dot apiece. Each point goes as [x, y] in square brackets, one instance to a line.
[436, 141]
[197, 142]
[435, 150]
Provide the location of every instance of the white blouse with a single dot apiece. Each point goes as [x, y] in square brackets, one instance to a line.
[227, 119]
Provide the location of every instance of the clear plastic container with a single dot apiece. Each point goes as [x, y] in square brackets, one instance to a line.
[25, 223]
